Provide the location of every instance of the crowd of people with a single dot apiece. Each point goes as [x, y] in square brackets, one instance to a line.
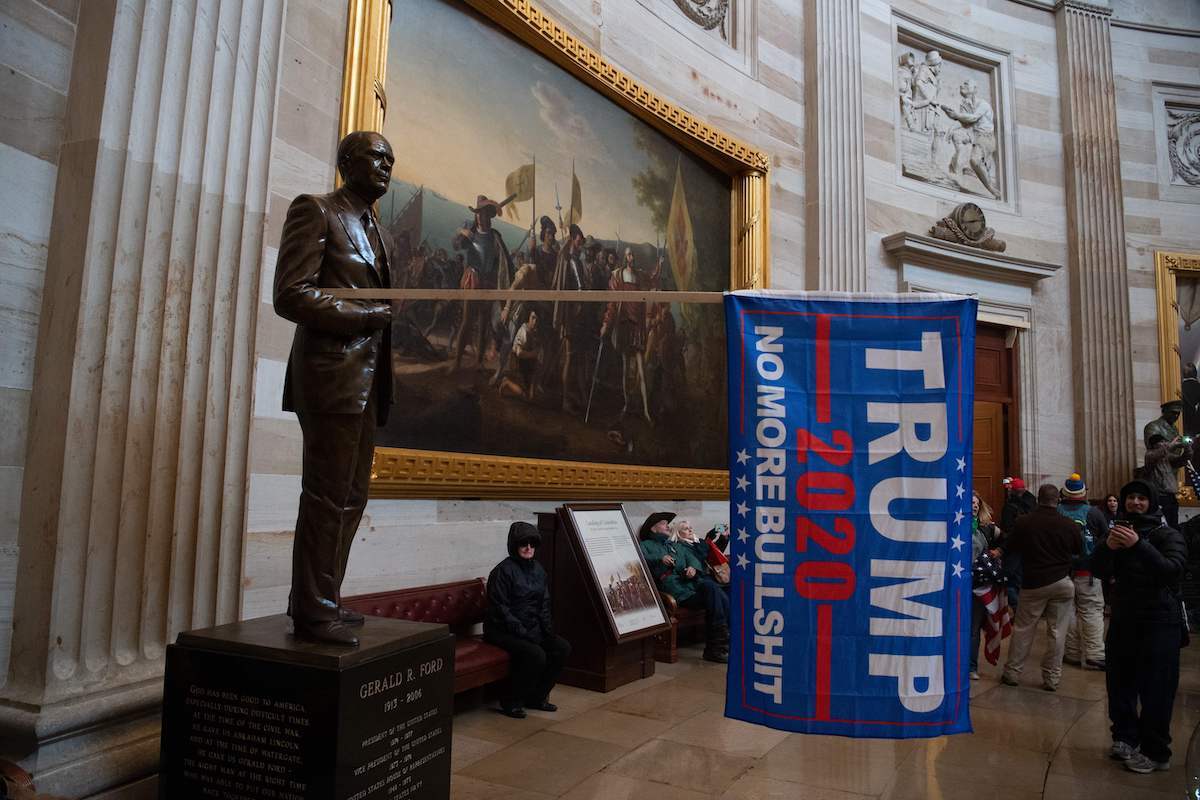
[1052, 556]
[1056, 557]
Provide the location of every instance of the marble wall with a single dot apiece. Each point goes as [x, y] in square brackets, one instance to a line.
[1153, 220]
[1033, 223]
[408, 543]
[36, 44]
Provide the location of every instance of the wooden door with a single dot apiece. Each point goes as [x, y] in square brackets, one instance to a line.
[989, 452]
[996, 435]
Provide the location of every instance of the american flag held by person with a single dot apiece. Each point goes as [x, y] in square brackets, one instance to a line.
[988, 586]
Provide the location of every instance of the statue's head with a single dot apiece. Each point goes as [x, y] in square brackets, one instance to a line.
[364, 159]
[933, 60]
[968, 89]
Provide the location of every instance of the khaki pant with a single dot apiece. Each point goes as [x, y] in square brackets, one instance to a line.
[1054, 602]
[1088, 622]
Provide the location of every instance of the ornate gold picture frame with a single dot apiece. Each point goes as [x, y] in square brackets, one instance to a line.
[427, 473]
[1177, 278]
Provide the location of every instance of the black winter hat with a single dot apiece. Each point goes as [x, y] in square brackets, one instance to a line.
[1139, 487]
[520, 532]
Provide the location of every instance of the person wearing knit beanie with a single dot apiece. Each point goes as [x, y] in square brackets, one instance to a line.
[1085, 636]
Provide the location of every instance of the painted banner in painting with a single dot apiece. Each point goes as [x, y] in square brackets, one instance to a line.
[850, 423]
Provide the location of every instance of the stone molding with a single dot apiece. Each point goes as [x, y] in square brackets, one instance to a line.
[1004, 286]
[1099, 280]
[1176, 100]
[835, 191]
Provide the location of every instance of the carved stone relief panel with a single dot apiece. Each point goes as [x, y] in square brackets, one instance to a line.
[1177, 141]
[724, 28]
[953, 119]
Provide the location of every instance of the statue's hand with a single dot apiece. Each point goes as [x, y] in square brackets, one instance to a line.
[379, 317]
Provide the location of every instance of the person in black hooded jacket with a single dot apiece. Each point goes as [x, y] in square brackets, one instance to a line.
[1147, 559]
[518, 620]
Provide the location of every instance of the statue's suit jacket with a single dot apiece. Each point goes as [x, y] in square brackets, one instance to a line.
[335, 353]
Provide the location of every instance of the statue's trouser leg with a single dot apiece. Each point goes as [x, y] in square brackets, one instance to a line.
[336, 474]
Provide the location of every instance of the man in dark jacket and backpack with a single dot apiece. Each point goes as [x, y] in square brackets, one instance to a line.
[518, 620]
[1145, 631]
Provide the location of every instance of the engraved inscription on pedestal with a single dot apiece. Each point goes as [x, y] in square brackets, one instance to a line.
[248, 717]
[952, 113]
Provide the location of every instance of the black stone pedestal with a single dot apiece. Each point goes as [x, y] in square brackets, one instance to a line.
[251, 713]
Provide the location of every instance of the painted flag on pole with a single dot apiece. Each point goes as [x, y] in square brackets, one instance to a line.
[575, 212]
[519, 183]
[850, 427]
[681, 246]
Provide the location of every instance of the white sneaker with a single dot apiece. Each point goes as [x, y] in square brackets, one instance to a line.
[1139, 762]
[1122, 751]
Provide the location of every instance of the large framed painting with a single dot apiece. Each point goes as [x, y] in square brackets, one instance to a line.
[524, 161]
[1177, 279]
[604, 540]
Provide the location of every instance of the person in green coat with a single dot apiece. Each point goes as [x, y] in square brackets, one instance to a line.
[680, 574]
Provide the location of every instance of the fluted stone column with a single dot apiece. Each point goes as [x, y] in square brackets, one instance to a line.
[1103, 372]
[835, 218]
[133, 501]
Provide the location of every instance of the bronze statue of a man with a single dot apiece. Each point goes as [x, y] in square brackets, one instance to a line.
[339, 379]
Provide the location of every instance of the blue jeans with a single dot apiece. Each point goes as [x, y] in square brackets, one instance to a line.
[713, 600]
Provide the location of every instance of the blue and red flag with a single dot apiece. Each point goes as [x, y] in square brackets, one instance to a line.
[850, 427]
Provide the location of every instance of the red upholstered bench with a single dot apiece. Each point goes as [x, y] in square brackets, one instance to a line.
[461, 606]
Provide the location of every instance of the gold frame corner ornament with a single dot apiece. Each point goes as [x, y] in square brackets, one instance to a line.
[401, 473]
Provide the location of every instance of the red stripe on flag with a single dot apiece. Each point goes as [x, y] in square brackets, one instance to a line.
[824, 658]
[823, 402]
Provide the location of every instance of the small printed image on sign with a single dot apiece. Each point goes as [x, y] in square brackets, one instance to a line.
[615, 560]
[500, 155]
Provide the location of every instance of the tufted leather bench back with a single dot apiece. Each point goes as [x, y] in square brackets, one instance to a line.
[460, 605]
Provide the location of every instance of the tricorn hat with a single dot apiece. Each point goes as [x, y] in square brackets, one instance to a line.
[652, 520]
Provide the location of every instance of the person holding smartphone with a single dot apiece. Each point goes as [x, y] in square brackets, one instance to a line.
[1145, 632]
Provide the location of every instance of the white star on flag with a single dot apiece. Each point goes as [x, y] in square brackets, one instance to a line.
[958, 569]
[742, 560]
[742, 482]
[958, 517]
[742, 535]
[959, 491]
[962, 464]
[956, 542]
[742, 456]
[743, 509]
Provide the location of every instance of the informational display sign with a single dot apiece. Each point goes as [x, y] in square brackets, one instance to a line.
[850, 427]
[611, 551]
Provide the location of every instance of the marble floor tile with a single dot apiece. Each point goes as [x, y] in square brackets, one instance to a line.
[611, 726]
[1089, 765]
[490, 725]
[1067, 787]
[551, 763]
[754, 785]
[682, 765]
[610, 786]
[861, 766]
[1018, 730]
[951, 782]
[670, 702]
[1032, 701]
[713, 730]
[464, 788]
[466, 750]
[989, 763]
